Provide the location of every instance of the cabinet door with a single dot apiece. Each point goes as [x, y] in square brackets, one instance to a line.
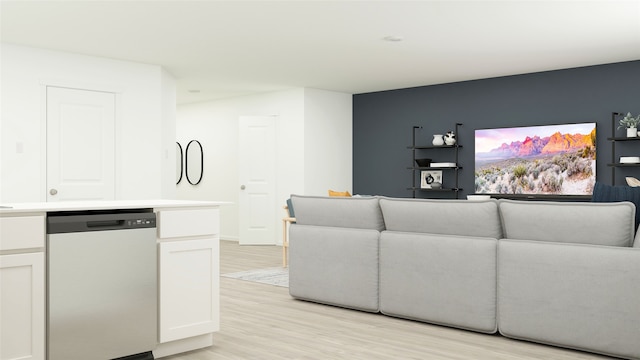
[22, 307]
[189, 288]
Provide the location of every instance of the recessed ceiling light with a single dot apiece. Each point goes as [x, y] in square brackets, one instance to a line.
[194, 91]
[393, 38]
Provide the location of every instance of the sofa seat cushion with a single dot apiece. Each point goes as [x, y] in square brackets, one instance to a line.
[572, 295]
[452, 217]
[335, 266]
[351, 212]
[441, 279]
[611, 224]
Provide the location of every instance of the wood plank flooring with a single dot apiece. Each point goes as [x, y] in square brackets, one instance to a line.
[261, 321]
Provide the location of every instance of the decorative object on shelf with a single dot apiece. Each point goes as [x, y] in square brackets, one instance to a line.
[186, 162]
[631, 124]
[450, 138]
[429, 177]
[443, 164]
[629, 159]
[633, 182]
[436, 185]
[423, 162]
[438, 140]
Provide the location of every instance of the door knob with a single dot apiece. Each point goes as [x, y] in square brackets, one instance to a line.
[242, 187]
[53, 191]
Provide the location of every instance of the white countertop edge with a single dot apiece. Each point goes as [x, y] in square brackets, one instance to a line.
[39, 207]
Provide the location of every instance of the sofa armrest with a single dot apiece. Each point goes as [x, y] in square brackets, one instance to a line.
[572, 295]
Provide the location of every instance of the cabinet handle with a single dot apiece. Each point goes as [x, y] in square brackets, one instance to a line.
[53, 191]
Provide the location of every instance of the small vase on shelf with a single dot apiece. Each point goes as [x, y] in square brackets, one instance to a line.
[438, 140]
[632, 132]
[450, 138]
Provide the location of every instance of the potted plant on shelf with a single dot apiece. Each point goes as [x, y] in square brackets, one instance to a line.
[631, 123]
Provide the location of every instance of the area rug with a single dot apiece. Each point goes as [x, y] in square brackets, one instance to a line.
[277, 276]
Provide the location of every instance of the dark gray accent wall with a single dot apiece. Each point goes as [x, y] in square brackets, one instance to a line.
[383, 121]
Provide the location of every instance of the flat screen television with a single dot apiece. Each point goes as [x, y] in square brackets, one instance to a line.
[536, 160]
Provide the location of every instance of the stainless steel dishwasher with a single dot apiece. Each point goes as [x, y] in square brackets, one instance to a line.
[102, 285]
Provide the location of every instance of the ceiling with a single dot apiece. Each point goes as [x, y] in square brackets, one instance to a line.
[232, 48]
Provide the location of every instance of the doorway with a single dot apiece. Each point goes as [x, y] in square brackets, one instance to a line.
[257, 175]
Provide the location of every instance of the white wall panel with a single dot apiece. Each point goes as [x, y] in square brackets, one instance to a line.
[328, 142]
[143, 128]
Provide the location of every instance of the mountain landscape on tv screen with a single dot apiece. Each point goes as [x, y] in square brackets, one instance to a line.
[561, 164]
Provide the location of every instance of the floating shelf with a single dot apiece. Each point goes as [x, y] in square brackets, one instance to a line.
[415, 170]
[614, 139]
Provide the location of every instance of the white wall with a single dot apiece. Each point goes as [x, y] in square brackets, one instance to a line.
[144, 120]
[328, 142]
[215, 125]
[168, 139]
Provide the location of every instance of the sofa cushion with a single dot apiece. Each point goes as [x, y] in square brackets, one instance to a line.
[351, 212]
[442, 279]
[335, 266]
[573, 295]
[611, 224]
[452, 217]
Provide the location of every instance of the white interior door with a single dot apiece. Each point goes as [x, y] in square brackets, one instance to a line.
[80, 144]
[257, 169]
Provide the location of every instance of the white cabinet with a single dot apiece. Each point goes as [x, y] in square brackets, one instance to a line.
[189, 278]
[22, 304]
[22, 288]
[188, 237]
[22, 232]
[188, 222]
[188, 289]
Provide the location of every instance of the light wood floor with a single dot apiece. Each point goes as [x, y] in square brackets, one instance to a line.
[261, 321]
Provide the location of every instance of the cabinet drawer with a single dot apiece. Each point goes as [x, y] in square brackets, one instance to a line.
[192, 222]
[22, 232]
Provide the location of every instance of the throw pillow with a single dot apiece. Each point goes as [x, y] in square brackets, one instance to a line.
[290, 208]
[609, 193]
[339, 193]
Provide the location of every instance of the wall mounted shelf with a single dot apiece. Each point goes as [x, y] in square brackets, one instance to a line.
[415, 170]
[614, 141]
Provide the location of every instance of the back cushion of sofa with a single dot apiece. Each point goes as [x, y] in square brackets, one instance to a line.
[611, 224]
[452, 217]
[352, 212]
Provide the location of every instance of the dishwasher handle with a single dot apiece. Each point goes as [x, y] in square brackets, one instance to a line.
[104, 223]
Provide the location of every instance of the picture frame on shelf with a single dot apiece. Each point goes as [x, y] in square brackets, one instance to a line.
[428, 177]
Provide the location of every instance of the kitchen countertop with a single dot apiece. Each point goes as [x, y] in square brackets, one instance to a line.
[36, 207]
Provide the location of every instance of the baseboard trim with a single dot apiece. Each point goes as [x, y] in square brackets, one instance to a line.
[184, 345]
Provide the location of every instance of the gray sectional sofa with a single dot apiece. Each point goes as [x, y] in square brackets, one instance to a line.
[558, 273]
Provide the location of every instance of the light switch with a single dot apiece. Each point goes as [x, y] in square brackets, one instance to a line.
[19, 147]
